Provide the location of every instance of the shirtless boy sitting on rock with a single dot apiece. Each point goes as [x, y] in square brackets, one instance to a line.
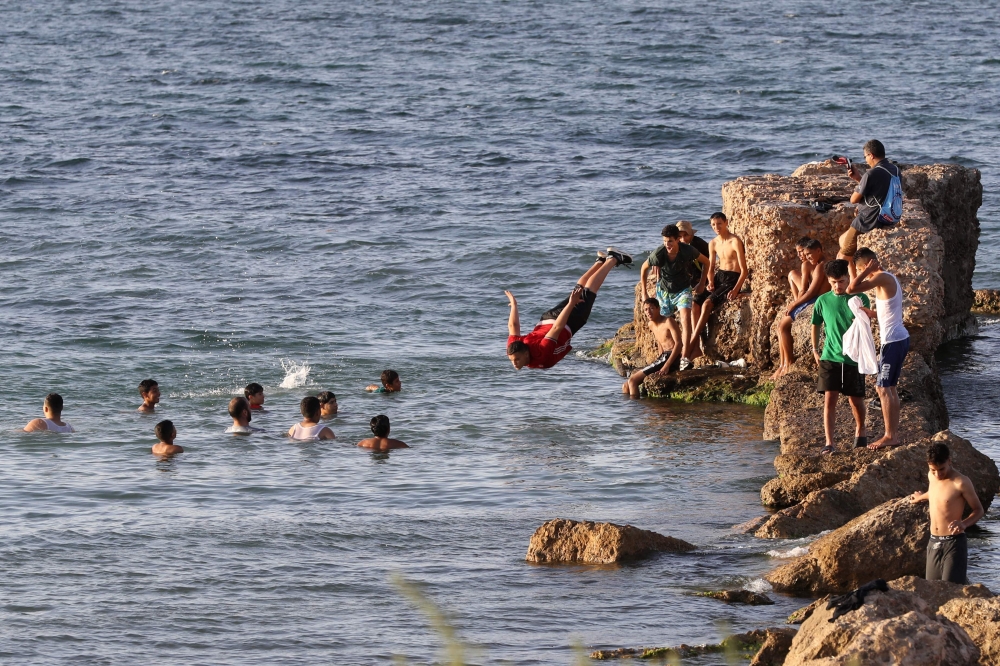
[666, 333]
[948, 493]
[808, 283]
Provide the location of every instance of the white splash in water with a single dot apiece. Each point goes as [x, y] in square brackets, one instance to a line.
[295, 374]
[758, 585]
[784, 554]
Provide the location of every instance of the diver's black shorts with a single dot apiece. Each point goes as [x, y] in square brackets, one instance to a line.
[948, 558]
[580, 314]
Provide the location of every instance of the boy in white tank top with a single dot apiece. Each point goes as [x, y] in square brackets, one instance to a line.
[52, 408]
[895, 337]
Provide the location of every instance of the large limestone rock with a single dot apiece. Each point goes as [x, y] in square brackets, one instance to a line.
[597, 543]
[784, 491]
[794, 415]
[980, 618]
[896, 473]
[889, 628]
[937, 593]
[887, 542]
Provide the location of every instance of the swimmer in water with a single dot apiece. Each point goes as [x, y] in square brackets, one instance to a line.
[390, 383]
[381, 441]
[327, 404]
[149, 390]
[548, 342]
[254, 393]
[52, 408]
[239, 409]
[166, 433]
[310, 428]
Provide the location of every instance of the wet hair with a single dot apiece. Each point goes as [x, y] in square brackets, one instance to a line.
[389, 377]
[811, 244]
[253, 388]
[238, 405]
[165, 430]
[835, 269]
[517, 347]
[866, 254]
[310, 407]
[145, 385]
[380, 425]
[54, 402]
[719, 215]
[938, 453]
[326, 396]
[670, 231]
[875, 148]
[651, 301]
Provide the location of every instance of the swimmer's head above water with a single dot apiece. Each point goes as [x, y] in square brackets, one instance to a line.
[380, 425]
[239, 409]
[327, 404]
[390, 381]
[149, 390]
[254, 394]
[310, 409]
[519, 354]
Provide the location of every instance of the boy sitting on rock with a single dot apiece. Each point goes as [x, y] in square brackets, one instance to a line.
[808, 283]
[666, 334]
[838, 373]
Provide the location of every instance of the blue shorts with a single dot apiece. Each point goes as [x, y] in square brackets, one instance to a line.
[890, 362]
[671, 303]
[798, 310]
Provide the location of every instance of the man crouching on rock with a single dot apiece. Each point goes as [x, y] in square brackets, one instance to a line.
[948, 492]
[667, 335]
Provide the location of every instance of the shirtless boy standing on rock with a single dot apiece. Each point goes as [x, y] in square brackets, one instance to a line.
[666, 333]
[725, 275]
[948, 493]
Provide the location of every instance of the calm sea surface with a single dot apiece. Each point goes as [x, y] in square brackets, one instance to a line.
[215, 193]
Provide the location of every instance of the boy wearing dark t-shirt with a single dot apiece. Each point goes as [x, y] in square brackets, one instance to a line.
[548, 342]
[870, 194]
[674, 262]
[838, 373]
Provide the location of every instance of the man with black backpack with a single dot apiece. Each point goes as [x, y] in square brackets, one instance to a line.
[879, 196]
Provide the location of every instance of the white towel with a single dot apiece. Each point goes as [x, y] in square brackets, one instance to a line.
[859, 345]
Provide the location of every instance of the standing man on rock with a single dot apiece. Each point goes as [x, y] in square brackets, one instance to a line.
[675, 263]
[948, 493]
[697, 242]
[894, 336]
[871, 193]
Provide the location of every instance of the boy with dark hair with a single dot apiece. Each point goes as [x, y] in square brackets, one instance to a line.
[166, 433]
[807, 283]
[725, 276]
[664, 330]
[239, 409]
[688, 236]
[549, 341]
[310, 428]
[948, 494]
[871, 193]
[327, 404]
[838, 373]
[254, 393]
[52, 408]
[390, 383]
[674, 262]
[150, 392]
[381, 441]
[894, 337]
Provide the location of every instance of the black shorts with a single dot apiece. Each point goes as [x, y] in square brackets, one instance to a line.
[658, 364]
[724, 283]
[580, 314]
[948, 558]
[842, 378]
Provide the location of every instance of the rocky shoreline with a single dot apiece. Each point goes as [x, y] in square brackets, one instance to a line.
[856, 496]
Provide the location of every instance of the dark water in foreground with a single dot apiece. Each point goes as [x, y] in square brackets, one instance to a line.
[215, 193]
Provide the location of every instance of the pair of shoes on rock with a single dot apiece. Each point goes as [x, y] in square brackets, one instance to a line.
[620, 257]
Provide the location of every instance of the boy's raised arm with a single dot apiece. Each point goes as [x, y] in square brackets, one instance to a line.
[563, 318]
[514, 321]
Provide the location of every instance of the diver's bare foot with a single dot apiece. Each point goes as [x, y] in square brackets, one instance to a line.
[779, 372]
[883, 443]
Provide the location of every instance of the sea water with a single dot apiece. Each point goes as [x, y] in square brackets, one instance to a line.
[214, 193]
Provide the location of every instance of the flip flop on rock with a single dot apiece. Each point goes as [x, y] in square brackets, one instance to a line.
[826, 450]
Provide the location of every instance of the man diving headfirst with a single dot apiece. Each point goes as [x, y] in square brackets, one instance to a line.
[549, 341]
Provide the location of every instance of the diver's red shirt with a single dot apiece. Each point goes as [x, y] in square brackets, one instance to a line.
[544, 352]
[261, 407]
